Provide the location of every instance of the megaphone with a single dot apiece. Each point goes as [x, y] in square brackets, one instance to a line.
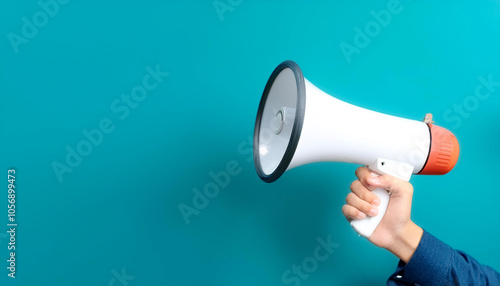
[297, 124]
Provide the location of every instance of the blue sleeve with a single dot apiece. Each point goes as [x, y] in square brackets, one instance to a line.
[436, 263]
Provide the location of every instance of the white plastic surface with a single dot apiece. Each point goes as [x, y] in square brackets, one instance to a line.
[337, 131]
[365, 227]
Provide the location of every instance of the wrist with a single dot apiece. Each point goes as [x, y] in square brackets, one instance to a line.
[406, 242]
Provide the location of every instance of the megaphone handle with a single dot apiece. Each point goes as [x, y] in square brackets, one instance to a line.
[365, 227]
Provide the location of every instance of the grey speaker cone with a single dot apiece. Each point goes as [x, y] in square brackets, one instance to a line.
[279, 121]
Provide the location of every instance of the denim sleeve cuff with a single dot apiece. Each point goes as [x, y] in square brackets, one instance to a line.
[429, 264]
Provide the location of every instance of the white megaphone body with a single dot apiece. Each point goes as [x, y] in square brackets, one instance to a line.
[297, 124]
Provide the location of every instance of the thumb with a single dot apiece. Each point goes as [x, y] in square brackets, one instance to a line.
[395, 186]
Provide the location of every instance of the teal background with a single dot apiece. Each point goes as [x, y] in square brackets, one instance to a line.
[119, 208]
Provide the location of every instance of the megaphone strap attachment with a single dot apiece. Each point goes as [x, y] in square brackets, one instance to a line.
[428, 118]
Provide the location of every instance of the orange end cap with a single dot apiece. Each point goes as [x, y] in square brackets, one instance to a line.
[443, 154]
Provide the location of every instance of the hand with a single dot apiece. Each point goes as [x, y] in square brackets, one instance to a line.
[396, 232]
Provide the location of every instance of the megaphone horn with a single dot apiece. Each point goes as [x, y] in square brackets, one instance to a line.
[297, 124]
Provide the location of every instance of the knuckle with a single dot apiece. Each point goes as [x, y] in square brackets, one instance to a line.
[365, 195]
[369, 197]
[349, 198]
[357, 170]
[366, 208]
[367, 185]
[354, 185]
[360, 172]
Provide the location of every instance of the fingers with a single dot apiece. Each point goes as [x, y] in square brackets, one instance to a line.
[395, 186]
[363, 206]
[361, 202]
[351, 212]
[363, 175]
[372, 180]
[363, 193]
